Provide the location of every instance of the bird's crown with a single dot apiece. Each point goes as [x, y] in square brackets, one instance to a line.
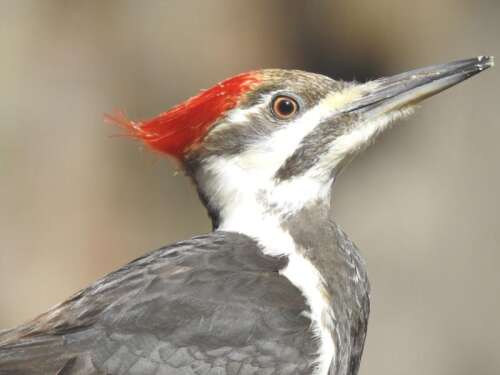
[182, 127]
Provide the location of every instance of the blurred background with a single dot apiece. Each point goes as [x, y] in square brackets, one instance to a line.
[422, 204]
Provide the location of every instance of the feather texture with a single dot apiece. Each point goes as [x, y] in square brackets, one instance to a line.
[181, 128]
[210, 305]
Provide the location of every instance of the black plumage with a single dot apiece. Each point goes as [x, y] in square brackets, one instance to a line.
[211, 305]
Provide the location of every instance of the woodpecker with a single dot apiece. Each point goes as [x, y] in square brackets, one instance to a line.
[277, 287]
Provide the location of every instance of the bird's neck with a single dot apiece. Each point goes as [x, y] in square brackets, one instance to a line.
[268, 213]
[255, 204]
[293, 220]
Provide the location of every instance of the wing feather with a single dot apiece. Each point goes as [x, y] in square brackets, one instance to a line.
[213, 304]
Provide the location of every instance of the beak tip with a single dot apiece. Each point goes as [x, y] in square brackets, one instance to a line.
[485, 62]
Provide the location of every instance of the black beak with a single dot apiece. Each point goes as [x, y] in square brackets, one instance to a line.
[402, 90]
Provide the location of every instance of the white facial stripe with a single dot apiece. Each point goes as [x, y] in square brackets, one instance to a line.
[253, 170]
[240, 116]
[271, 153]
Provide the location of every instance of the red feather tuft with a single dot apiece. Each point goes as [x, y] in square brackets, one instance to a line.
[183, 127]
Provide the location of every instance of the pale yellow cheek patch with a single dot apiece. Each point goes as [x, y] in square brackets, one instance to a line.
[335, 101]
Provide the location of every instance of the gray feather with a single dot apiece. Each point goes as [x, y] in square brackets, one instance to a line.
[211, 305]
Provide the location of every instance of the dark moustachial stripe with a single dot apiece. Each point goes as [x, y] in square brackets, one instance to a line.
[313, 146]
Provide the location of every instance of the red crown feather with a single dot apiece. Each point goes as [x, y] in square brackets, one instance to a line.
[181, 128]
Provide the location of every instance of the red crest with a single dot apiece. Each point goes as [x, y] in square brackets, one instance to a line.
[183, 127]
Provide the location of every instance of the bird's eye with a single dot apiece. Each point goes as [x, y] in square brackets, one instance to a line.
[284, 107]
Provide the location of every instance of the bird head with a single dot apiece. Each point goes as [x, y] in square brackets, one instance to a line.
[270, 142]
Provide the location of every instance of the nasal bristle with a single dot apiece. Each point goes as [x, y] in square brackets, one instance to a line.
[183, 127]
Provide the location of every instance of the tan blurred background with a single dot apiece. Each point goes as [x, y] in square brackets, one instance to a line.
[422, 204]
